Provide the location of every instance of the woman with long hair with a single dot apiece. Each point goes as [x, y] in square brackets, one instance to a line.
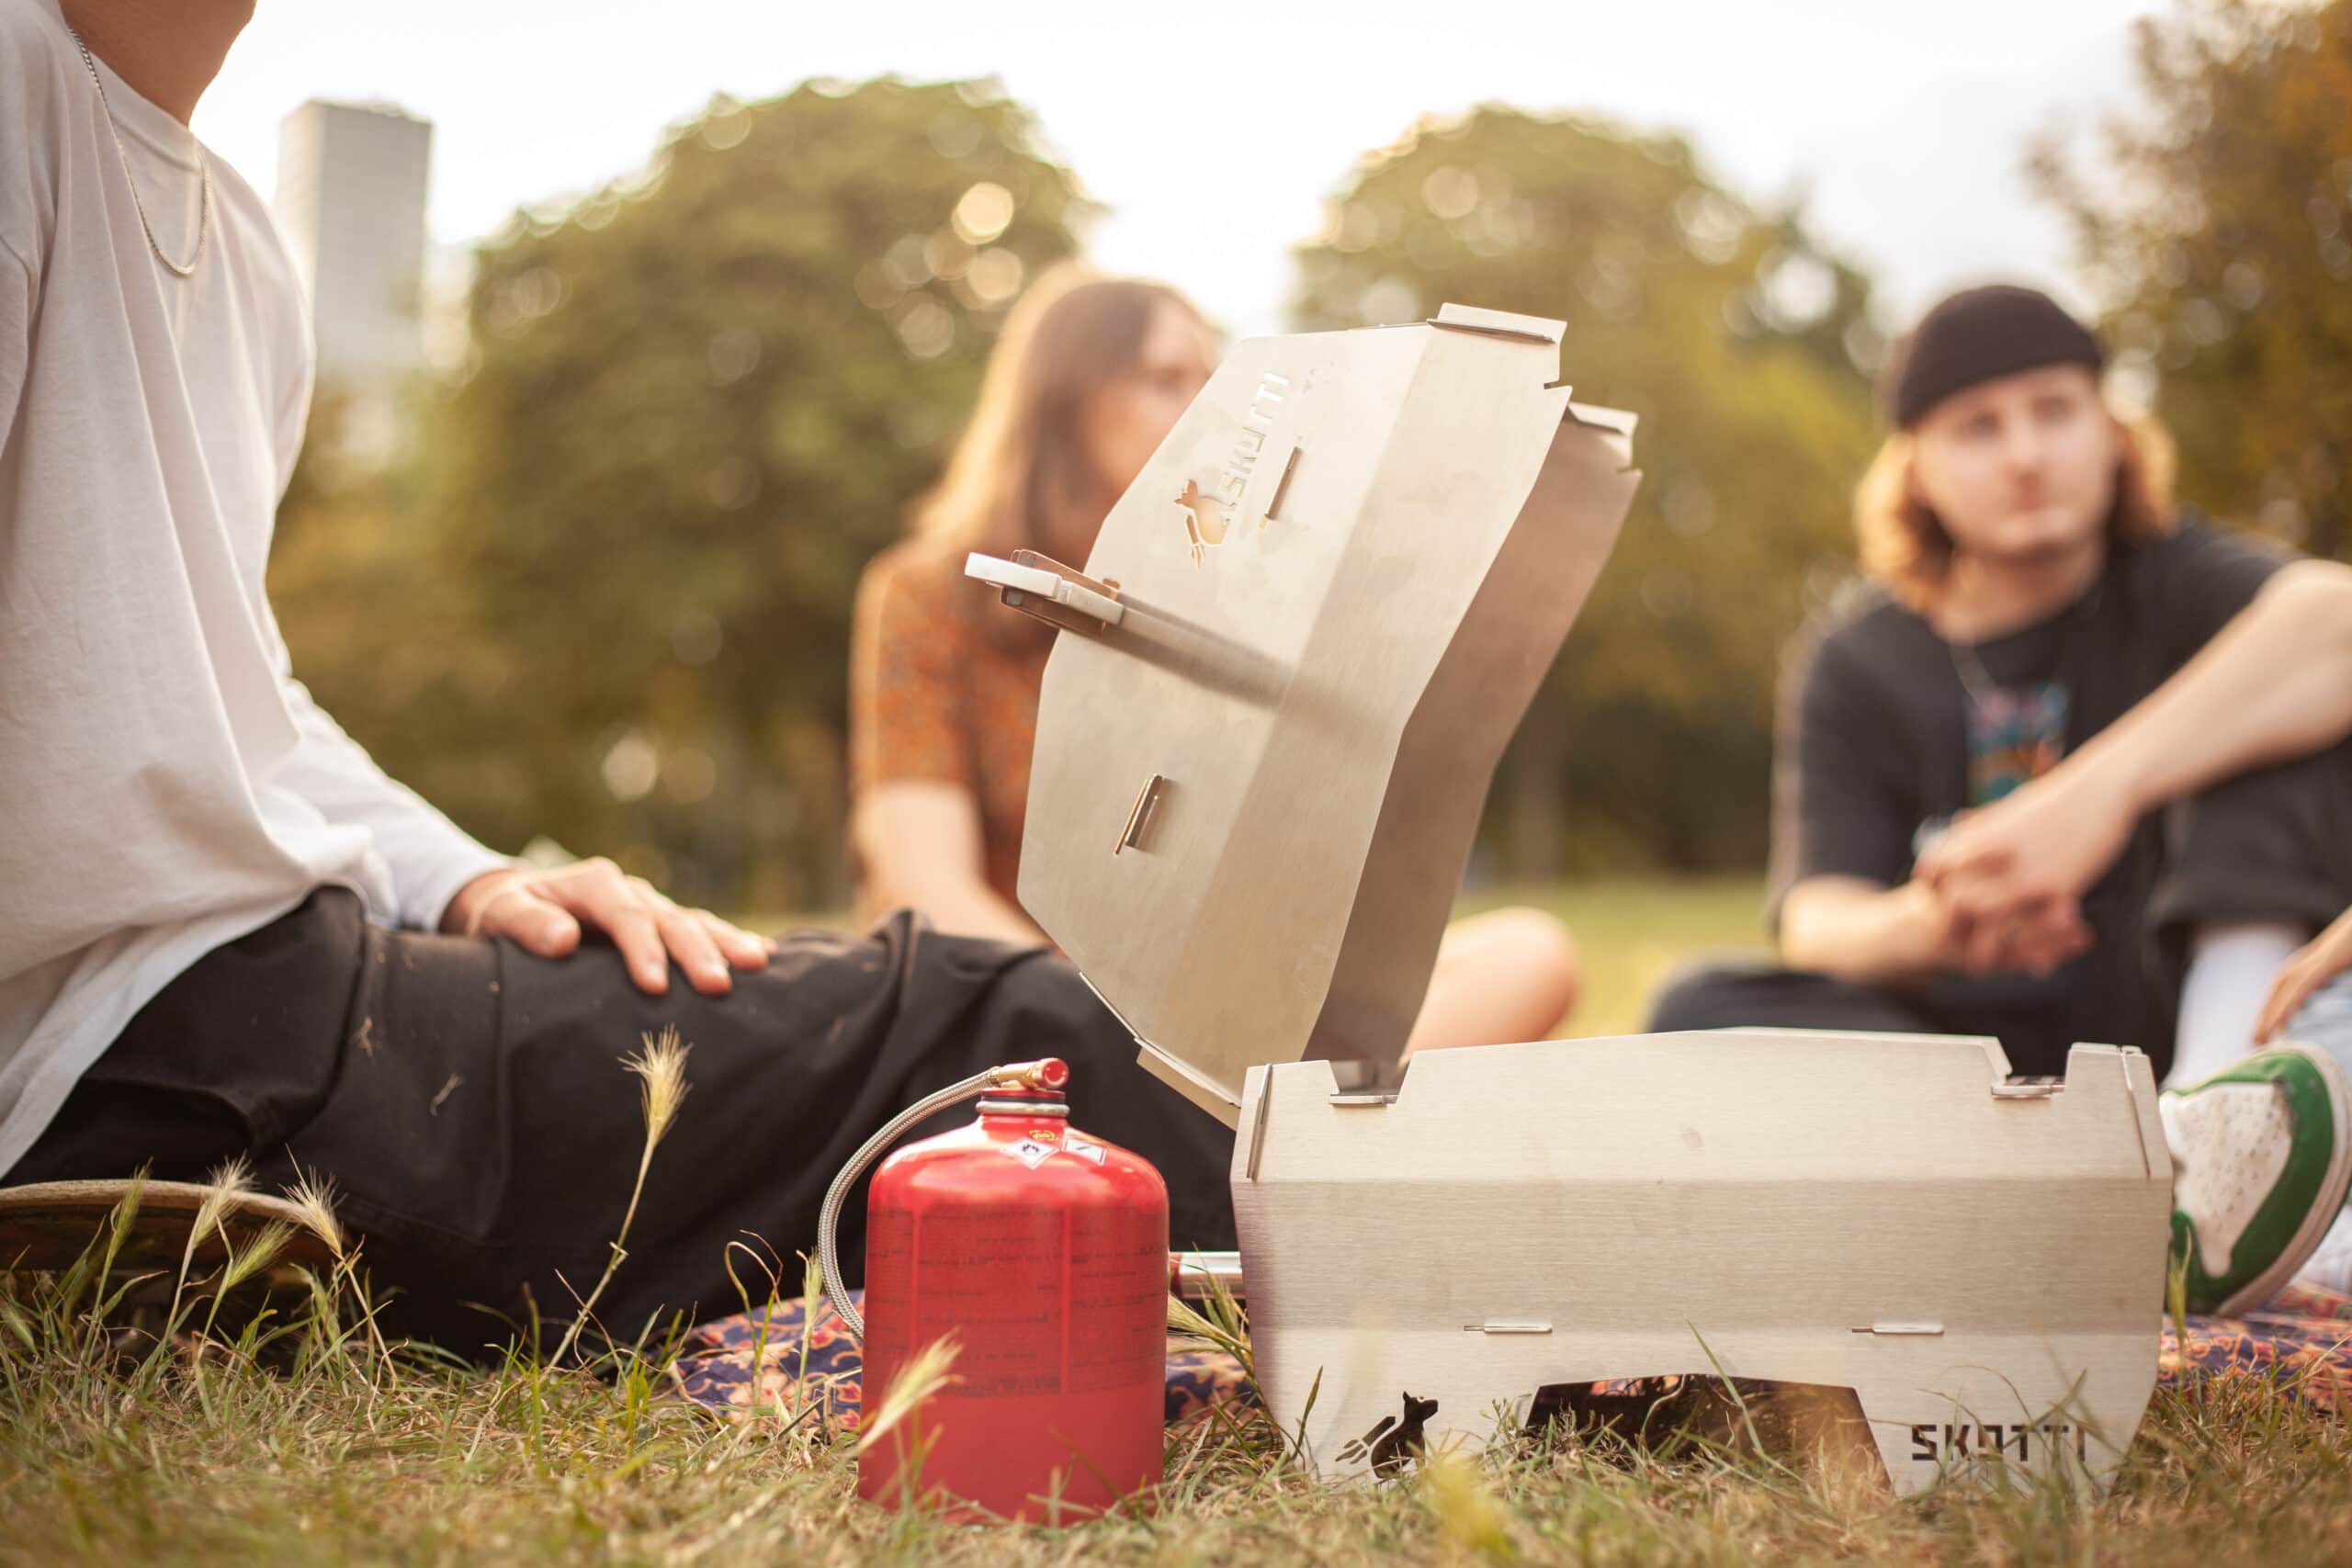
[1088, 377]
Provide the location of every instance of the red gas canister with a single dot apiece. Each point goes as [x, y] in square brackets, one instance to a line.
[1044, 1252]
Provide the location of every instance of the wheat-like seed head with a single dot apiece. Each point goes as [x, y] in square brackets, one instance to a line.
[920, 1378]
[228, 1181]
[812, 1283]
[256, 1255]
[314, 1196]
[662, 1066]
[1185, 1321]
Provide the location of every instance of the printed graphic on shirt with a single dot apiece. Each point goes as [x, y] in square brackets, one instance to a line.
[2016, 734]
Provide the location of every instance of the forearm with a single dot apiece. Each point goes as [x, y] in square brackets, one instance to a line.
[921, 845]
[956, 903]
[2277, 684]
[1867, 934]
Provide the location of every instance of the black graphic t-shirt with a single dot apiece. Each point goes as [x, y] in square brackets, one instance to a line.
[1882, 742]
[2016, 734]
[2014, 721]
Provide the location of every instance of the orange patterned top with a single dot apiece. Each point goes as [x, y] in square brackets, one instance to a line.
[942, 685]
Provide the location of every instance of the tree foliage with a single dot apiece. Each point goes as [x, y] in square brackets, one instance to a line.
[1740, 340]
[604, 594]
[2216, 225]
[626, 545]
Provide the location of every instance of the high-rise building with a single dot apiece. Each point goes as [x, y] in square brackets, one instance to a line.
[351, 190]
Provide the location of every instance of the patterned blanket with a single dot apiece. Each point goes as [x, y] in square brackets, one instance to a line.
[778, 1361]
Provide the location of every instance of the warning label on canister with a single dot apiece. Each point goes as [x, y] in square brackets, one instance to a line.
[1040, 1300]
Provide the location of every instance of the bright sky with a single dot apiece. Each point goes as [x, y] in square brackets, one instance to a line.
[1214, 129]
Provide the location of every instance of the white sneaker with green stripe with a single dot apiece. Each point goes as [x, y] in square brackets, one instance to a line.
[2261, 1157]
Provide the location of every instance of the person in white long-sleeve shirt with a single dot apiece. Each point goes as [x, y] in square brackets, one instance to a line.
[216, 913]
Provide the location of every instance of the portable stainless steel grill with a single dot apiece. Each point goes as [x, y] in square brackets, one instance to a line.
[1291, 663]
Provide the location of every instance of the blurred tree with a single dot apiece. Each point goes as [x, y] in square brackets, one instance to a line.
[378, 627]
[2217, 231]
[695, 403]
[1743, 345]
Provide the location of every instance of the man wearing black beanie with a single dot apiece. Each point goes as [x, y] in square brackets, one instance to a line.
[1980, 335]
[2030, 579]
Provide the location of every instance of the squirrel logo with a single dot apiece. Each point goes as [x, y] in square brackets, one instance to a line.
[1205, 521]
[1392, 1441]
[1208, 514]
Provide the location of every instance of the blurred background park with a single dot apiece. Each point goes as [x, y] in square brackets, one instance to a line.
[640, 327]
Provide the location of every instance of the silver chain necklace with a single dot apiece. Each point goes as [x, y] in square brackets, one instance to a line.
[1978, 682]
[204, 173]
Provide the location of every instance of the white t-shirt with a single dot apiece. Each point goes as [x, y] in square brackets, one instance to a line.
[165, 784]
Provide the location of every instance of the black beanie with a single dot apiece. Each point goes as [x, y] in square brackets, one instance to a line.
[1980, 335]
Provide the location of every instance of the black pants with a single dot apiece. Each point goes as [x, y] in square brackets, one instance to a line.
[1740, 992]
[470, 1103]
[2274, 844]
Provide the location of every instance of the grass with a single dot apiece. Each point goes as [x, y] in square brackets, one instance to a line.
[330, 1459]
[295, 1435]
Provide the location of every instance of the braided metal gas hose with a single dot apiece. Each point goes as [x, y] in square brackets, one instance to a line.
[1047, 1074]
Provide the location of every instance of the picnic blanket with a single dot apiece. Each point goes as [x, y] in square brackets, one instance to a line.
[778, 1361]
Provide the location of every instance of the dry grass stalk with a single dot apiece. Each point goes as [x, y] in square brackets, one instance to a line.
[661, 1068]
[228, 1181]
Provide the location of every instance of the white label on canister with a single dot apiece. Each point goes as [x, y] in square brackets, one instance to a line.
[1030, 1152]
[1084, 1146]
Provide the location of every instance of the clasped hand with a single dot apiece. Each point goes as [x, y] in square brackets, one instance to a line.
[1984, 936]
[2010, 876]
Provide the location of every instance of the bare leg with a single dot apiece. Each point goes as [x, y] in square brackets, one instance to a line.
[1503, 976]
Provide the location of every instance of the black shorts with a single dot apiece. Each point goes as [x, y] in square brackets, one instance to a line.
[468, 1101]
[2271, 845]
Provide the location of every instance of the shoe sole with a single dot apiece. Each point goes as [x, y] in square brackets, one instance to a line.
[2332, 1191]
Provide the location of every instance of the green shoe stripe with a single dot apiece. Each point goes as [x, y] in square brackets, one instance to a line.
[2274, 1225]
[2281, 1213]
